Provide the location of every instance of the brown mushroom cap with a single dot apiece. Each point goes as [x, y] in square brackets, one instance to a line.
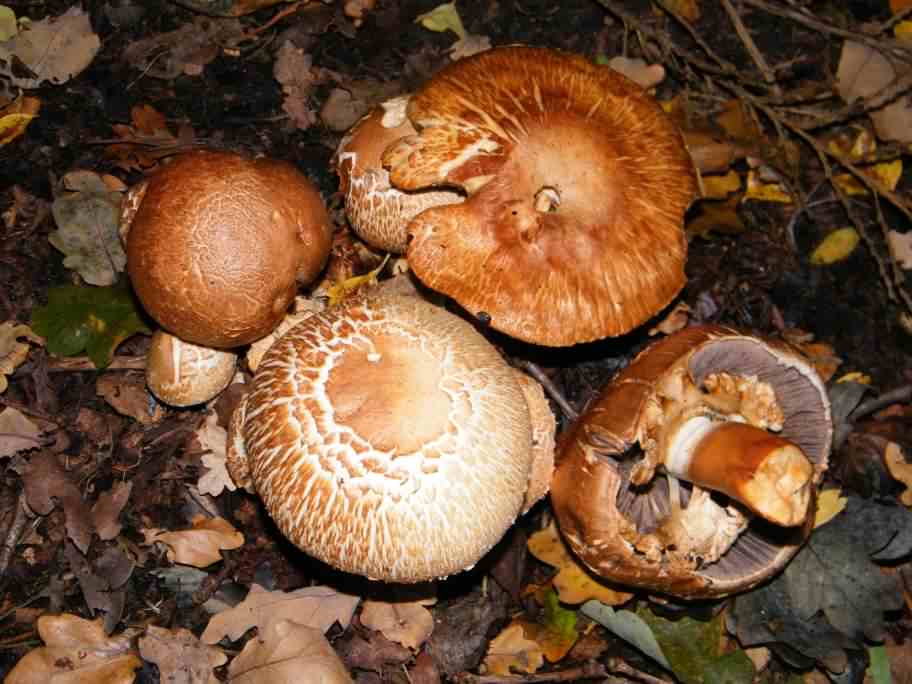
[378, 212]
[217, 243]
[577, 185]
[387, 438]
[604, 517]
[180, 373]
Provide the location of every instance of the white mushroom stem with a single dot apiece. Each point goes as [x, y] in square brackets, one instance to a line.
[767, 473]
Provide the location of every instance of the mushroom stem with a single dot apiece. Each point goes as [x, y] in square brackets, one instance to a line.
[767, 473]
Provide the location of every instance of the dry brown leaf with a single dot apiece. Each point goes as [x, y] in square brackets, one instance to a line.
[180, 657]
[76, 651]
[900, 470]
[285, 652]
[13, 352]
[107, 508]
[407, 623]
[213, 438]
[199, 546]
[46, 483]
[127, 394]
[572, 583]
[511, 651]
[295, 71]
[863, 73]
[17, 432]
[317, 607]
[638, 71]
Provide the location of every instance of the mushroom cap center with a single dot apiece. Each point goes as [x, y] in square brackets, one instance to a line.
[389, 392]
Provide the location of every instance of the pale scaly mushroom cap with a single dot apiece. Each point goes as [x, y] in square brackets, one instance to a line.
[577, 185]
[217, 244]
[181, 373]
[378, 212]
[633, 525]
[387, 438]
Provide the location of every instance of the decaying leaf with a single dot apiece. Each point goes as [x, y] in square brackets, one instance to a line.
[16, 116]
[555, 632]
[443, 18]
[837, 246]
[128, 394]
[573, 584]
[77, 651]
[106, 510]
[686, 9]
[295, 71]
[53, 49]
[408, 623]
[13, 352]
[94, 319]
[180, 657]
[720, 186]
[899, 468]
[17, 432]
[316, 607]
[87, 214]
[199, 546]
[102, 579]
[511, 651]
[285, 652]
[213, 438]
[765, 191]
[637, 70]
[830, 503]
[147, 139]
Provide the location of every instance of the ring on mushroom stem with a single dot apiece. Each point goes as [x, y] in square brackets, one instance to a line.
[575, 183]
[388, 438]
[719, 411]
[217, 244]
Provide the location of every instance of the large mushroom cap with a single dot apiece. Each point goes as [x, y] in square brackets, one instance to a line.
[577, 184]
[620, 523]
[378, 212]
[216, 244]
[387, 438]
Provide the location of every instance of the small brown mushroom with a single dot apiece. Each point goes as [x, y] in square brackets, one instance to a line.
[576, 182]
[378, 212]
[387, 438]
[741, 427]
[180, 373]
[217, 244]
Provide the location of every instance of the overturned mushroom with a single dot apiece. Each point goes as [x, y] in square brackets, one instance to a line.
[183, 374]
[378, 212]
[217, 244]
[715, 410]
[576, 184]
[387, 438]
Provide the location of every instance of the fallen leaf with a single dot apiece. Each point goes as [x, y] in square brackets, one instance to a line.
[316, 607]
[720, 186]
[837, 246]
[408, 623]
[13, 352]
[285, 652]
[106, 510]
[822, 357]
[200, 546]
[128, 394]
[9, 26]
[854, 376]
[555, 632]
[17, 432]
[763, 191]
[87, 213]
[638, 71]
[16, 116]
[863, 73]
[76, 651]
[472, 44]
[830, 503]
[295, 71]
[54, 49]
[676, 319]
[180, 657]
[102, 579]
[686, 9]
[147, 140]
[900, 248]
[511, 651]
[573, 584]
[337, 292]
[900, 470]
[885, 174]
[443, 18]
[716, 216]
[629, 626]
[213, 438]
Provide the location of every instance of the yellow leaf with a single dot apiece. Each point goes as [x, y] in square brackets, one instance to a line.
[886, 174]
[836, 246]
[443, 18]
[553, 645]
[897, 6]
[511, 650]
[572, 583]
[757, 189]
[8, 25]
[718, 216]
[720, 187]
[900, 470]
[903, 30]
[856, 376]
[339, 291]
[830, 503]
[735, 120]
[16, 116]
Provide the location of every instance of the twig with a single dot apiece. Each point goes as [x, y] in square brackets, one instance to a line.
[17, 526]
[751, 46]
[81, 363]
[553, 390]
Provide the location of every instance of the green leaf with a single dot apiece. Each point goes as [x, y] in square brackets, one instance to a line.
[443, 18]
[628, 626]
[730, 668]
[690, 645]
[91, 319]
[879, 669]
[558, 619]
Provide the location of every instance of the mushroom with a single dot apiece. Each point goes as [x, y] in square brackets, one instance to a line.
[387, 438]
[217, 244]
[741, 427]
[378, 212]
[576, 184]
[180, 373]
